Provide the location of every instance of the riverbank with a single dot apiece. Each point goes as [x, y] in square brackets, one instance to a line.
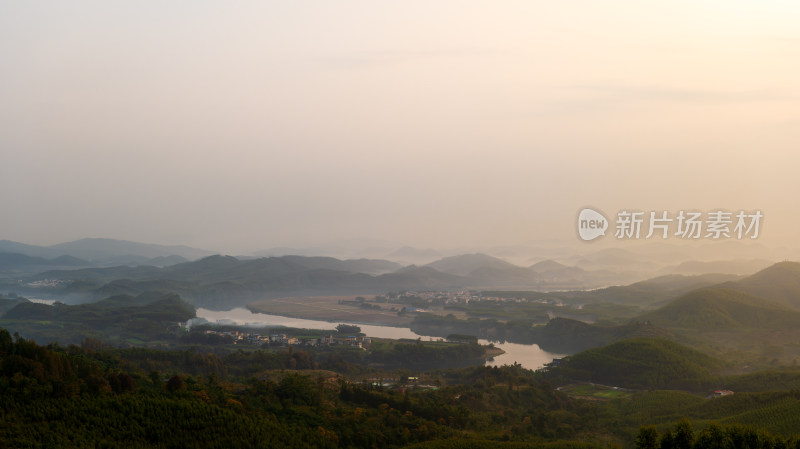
[529, 356]
[491, 353]
[332, 309]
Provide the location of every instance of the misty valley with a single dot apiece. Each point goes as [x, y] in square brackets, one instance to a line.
[399, 224]
[469, 350]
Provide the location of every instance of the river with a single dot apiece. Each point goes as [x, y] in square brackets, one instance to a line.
[529, 356]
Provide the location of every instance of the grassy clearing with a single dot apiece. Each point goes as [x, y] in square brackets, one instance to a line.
[594, 391]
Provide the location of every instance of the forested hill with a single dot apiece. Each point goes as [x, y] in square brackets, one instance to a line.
[82, 398]
[643, 363]
[96, 396]
[120, 320]
[723, 309]
[777, 283]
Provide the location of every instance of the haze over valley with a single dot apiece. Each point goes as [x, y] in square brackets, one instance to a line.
[422, 225]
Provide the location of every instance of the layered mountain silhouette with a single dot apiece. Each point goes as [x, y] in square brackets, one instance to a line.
[223, 281]
[779, 283]
[104, 252]
[769, 299]
[226, 281]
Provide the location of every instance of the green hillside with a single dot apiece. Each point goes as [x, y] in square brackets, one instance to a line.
[647, 294]
[643, 363]
[119, 320]
[559, 335]
[767, 380]
[7, 304]
[779, 283]
[722, 309]
[568, 336]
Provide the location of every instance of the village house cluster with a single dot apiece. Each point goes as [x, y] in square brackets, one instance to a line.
[432, 297]
[241, 337]
[48, 283]
[721, 393]
[458, 297]
[449, 297]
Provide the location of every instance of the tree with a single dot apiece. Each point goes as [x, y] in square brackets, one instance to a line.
[96, 384]
[126, 382]
[6, 343]
[667, 441]
[297, 389]
[683, 434]
[348, 329]
[712, 437]
[647, 438]
[175, 383]
[92, 344]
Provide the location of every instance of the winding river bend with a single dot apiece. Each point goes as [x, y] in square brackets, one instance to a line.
[529, 356]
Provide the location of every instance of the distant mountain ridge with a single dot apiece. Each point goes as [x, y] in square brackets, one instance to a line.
[218, 279]
[8, 246]
[779, 283]
[225, 281]
[547, 266]
[487, 271]
[721, 266]
[465, 264]
[15, 260]
[121, 267]
[93, 249]
[768, 299]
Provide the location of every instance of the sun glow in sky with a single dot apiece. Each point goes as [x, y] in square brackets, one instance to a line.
[243, 125]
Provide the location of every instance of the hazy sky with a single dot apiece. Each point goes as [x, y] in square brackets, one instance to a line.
[243, 125]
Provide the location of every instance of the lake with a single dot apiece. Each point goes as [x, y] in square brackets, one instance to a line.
[529, 356]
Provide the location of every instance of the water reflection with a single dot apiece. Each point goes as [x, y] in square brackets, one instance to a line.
[529, 356]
